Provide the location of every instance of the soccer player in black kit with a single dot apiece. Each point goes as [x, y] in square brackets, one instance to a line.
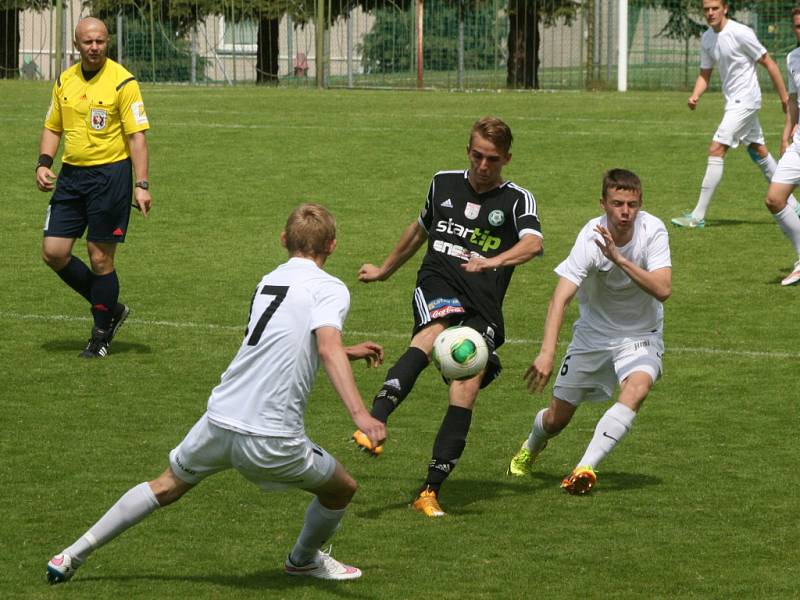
[478, 228]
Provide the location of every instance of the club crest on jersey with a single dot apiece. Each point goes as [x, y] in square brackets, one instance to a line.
[472, 210]
[99, 118]
[496, 218]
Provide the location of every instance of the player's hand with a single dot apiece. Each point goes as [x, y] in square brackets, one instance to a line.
[375, 430]
[369, 272]
[45, 179]
[785, 104]
[143, 201]
[369, 351]
[538, 374]
[693, 100]
[476, 264]
[607, 245]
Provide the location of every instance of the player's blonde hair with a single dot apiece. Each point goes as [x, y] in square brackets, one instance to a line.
[495, 130]
[310, 230]
[621, 179]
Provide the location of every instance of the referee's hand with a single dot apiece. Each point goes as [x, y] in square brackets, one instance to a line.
[142, 201]
[45, 179]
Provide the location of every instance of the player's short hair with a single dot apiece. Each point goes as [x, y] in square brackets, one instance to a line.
[309, 230]
[495, 130]
[795, 11]
[621, 179]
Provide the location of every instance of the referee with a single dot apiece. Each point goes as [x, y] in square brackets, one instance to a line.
[97, 107]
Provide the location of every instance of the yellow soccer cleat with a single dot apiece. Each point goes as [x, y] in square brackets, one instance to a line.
[428, 504]
[580, 481]
[363, 443]
[522, 463]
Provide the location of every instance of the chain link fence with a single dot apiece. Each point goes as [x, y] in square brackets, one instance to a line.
[450, 44]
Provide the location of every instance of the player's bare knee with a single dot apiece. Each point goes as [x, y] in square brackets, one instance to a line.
[53, 260]
[775, 203]
[167, 488]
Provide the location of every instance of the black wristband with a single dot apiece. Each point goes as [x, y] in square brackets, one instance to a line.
[45, 160]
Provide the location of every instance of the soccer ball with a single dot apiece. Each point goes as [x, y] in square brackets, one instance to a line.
[460, 353]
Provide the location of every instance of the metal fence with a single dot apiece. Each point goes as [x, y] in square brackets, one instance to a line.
[453, 44]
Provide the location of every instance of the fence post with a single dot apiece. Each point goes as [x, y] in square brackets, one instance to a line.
[319, 45]
[461, 44]
[350, 49]
[59, 38]
[119, 37]
[420, 56]
[289, 45]
[622, 56]
[152, 42]
[193, 36]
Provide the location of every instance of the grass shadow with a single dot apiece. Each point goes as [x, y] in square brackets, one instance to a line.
[72, 345]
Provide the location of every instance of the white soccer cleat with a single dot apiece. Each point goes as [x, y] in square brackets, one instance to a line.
[61, 568]
[324, 567]
[793, 277]
[688, 221]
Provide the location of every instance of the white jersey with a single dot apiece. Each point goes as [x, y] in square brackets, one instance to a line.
[611, 304]
[793, 68]
[266, 386]
[736, 50]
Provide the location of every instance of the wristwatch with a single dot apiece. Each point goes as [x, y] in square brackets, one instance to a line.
[144, 184]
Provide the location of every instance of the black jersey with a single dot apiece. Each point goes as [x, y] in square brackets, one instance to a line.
[462, 223]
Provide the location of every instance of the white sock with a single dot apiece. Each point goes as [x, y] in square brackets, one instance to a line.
[319, 525]
[610, 429]
[768, 166]
[538, 437]
[710, 182]
[133, 506]
[789, 223]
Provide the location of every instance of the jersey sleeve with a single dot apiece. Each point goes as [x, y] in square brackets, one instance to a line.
[750, 44]
[526, 216]
[131, 108]
[580, 260]
[658, 255]
[52, 120]
[331, 305]
[791, 85]
[706, 59]
[426, 216]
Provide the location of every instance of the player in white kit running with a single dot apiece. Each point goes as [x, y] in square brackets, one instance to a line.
[787, 175]
[735, 49]
[621, 271]
[254, 420]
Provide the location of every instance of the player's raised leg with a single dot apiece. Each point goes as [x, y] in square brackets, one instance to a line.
[784, 216]
[711, 180]
[548, 423]
[133, 506]
[322, 519]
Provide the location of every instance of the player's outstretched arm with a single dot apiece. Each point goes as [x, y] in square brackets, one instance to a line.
[337, 365]
[369, 351]
[700, 87]
[45, 177]
[521, 252]
[412, 239]
[538, 374]
[777, 79]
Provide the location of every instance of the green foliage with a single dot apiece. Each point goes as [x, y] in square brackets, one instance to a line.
[389, 46]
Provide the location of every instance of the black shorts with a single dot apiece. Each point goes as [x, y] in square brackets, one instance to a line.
[97, 197]
[435, 300]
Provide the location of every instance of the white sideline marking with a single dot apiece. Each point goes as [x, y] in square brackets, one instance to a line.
[10, 316]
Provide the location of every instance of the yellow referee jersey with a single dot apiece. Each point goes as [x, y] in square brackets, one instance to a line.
[96, 116]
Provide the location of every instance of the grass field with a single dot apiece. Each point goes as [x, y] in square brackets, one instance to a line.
[698, 501]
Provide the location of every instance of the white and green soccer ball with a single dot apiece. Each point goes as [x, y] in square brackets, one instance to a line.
[460, 353]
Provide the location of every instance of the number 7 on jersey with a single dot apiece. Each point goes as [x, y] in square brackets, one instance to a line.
[279, 291]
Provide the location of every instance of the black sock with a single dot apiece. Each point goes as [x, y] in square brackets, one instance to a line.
[77, 276]
[449, 445]
[398, 383]
[104, 296]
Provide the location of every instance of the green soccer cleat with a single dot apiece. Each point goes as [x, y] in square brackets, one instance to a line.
[522, 463]
[688, 221]
[580, 481]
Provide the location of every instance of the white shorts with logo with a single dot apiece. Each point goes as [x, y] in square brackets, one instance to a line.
[272, 463]
[788, 169]
[591, 372]
[739, 126]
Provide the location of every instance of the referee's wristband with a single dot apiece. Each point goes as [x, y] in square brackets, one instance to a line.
[45, 160]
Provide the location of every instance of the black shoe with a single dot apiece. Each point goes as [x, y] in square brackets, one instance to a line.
[97, 346]
[121, 312]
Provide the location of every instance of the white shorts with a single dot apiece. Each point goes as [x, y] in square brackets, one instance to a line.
[788, 169]
[272, 463]
[592, 373]
[739, 126]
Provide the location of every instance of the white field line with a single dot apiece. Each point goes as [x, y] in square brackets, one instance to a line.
[378, 335]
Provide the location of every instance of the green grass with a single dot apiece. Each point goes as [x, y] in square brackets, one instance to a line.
[696, 502]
